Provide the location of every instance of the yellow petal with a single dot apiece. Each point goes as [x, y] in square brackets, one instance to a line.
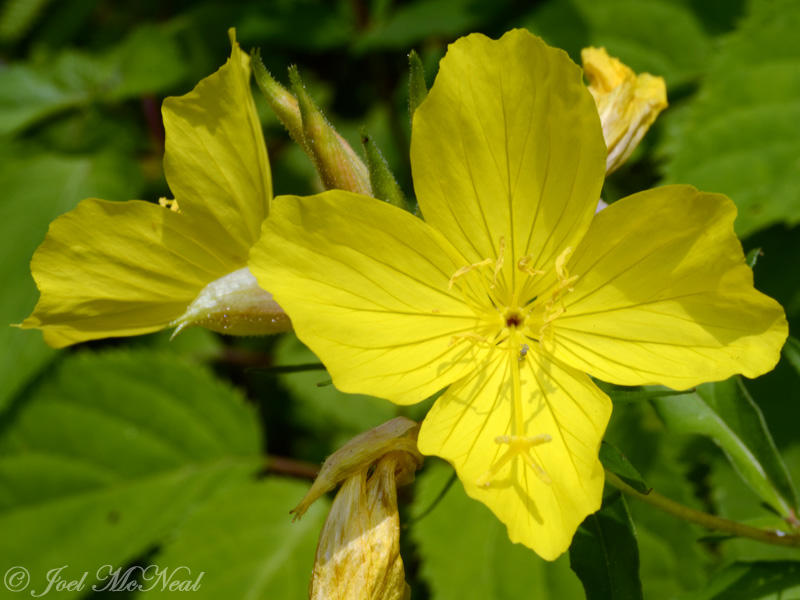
[117, 268]
[664, 295]
[508, 145]
[366, 286]
[215, 159]
[628, 103]
[540, 510]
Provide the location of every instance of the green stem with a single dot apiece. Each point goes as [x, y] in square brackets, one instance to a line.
[768, 536]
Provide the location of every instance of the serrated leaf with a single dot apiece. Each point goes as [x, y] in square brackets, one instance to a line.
[725, 412]
[605, 555]
[36, 189]
[466, 554]
[108, 454]
[660, 37]
[760, 580]
[246, 544]
[616, 462]
[741, 136]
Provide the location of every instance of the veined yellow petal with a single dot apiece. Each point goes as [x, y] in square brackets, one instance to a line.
[215, 159]
[508, 144]
[664, 296]
[366, 286]
[117, 268]
[544, 492]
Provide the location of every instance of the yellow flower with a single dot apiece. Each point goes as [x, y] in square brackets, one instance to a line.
[127, 268]
[512, 290]
[628, 104]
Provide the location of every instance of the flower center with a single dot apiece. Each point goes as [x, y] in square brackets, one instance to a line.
[514, 318]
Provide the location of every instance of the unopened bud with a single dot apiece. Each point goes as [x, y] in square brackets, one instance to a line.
[628, 104]
[280, 100]
[358, 555]
[235, 304]
[337, 163]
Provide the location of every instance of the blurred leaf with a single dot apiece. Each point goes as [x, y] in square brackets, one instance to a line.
[725, 412]
[604, 553]
[246, 545]
[742, 134]
[616, 462]
[108, 454]
[762, 580]
[620, 393]
[17, 16]
[149, 60]
[325, 409]
[466, 554]
[415, 21]
[661, 37]
[36, 189]
[792, 352]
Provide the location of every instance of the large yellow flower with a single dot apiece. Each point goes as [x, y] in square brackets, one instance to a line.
[512, 290]
[127, 268]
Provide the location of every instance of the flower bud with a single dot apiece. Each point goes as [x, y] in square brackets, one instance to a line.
[358, 555]
[628, 104]
[235, 304]
[337, 163]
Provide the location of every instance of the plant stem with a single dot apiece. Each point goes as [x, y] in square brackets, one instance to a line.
[768, 536]
[291, 467]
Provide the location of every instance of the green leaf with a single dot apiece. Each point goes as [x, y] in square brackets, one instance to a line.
[616, 462]
[108, 454]
[742, 133]
[324, 409]
[792, 352]
[466, 554]
[36, 189]
[245, 543]
[761, 580]
[604, 553]
[149, 60]
[661, 37]
[726, 413]
[620, 393]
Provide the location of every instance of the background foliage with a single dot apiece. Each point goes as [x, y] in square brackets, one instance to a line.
[144, 451]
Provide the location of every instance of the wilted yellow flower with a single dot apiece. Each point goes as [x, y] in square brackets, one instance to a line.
[512, 291]
[127, 268]
[358, 555]
[628, 103]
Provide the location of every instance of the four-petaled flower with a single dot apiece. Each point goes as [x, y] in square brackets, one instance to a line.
[127, 268]
[511, 290]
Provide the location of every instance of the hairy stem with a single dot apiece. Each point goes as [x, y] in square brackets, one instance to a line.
[714, 523]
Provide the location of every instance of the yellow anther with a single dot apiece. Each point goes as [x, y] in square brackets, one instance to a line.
[466, 269]
[170, 204]
[525, 265]
[517, 446]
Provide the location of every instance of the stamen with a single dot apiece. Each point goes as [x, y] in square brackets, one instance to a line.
[517, 446]
[466, 269]
[170, 204]
[524, 265]
[498, 265]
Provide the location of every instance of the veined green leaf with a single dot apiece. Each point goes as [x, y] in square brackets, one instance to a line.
[604, 552]
[466, 554]
[725, 412]
[760, 580]
[616, 462]
[246, 545]
[742, 133]
[108, 454]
